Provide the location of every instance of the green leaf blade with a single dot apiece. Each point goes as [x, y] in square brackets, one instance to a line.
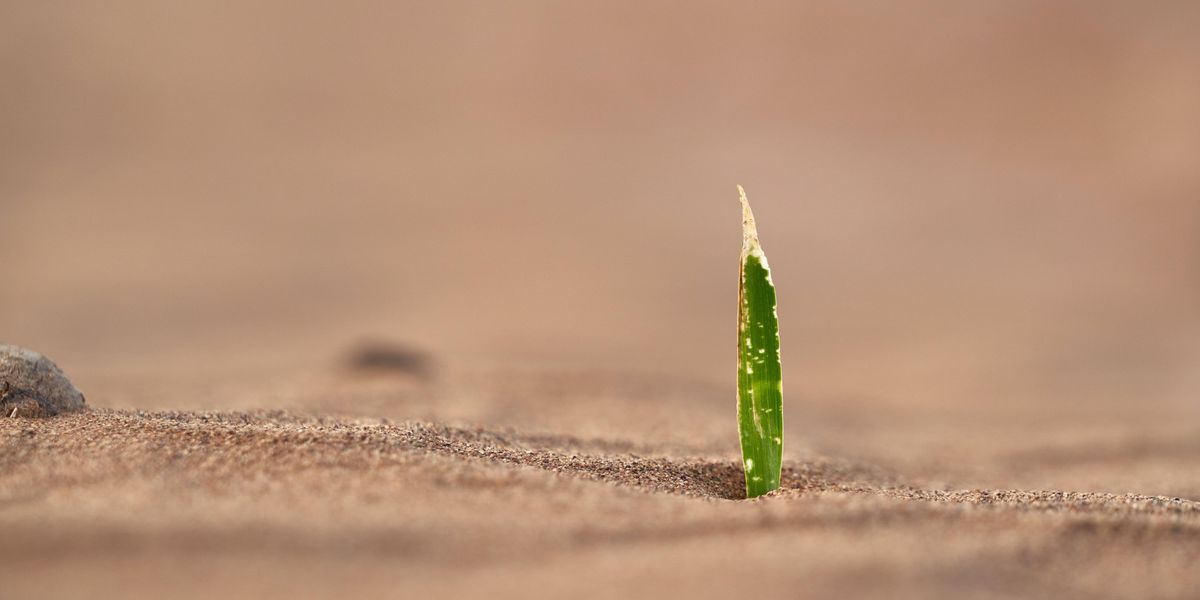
[760, 381]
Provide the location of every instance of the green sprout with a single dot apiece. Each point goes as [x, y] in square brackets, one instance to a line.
[760, 382]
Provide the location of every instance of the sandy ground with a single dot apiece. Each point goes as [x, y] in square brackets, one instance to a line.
[596, 500]
[981, 217]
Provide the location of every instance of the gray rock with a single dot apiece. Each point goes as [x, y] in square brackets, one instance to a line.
[33, 386]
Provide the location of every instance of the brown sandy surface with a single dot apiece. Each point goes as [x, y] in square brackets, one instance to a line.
[286, 503]
[982, 219]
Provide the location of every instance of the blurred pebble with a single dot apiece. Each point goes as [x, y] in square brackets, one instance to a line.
[31, 385]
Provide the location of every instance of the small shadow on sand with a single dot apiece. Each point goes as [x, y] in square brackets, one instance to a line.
[692, 477]
[384, 357]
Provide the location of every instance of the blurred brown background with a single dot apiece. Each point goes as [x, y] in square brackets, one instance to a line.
[965, 203]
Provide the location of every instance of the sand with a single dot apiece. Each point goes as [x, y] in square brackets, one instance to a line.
[286, 503]
[438, 299]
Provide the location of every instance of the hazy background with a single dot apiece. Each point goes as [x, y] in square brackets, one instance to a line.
[965, 203]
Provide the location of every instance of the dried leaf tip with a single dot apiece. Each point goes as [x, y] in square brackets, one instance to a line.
[750, 244]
